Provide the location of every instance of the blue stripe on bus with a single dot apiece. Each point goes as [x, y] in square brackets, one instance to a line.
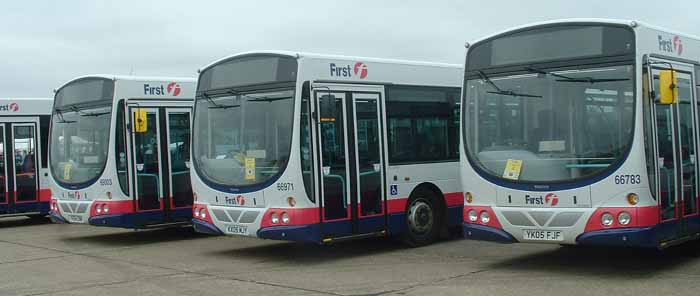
[18, 208]
[136, 220]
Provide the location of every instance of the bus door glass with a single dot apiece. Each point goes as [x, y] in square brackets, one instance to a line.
[24, 145]
[676, 153]
[334, 162]
[145, 133]
[179, 158]
[368, 165]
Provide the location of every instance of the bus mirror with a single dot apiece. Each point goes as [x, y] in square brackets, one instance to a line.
[141, 121]
[668, 87]
[328, 108]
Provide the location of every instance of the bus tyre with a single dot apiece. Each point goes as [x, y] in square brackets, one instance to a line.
[422, 219]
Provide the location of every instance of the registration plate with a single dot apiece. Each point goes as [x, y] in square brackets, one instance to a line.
[237, 229]
[543, 235]
[75, 218]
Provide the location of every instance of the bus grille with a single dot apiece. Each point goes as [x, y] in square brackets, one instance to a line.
[74, 207]
[540, 218]
[236, 216]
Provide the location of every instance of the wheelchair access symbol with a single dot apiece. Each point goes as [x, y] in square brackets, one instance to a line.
[394, 189]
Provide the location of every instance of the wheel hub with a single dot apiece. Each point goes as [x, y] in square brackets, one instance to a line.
[420, 217]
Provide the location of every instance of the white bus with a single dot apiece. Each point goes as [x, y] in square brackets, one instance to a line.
[119, 151]
[571, 135]
[24, 182]
[319, 148]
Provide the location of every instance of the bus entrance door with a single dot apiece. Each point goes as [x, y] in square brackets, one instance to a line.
[160, 145]
[676, 168]
[19, 186]
[351, 162]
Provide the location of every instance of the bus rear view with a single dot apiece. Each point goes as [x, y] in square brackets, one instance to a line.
[569, 137]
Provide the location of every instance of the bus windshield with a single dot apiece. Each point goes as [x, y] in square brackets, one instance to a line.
[549, 125]
[80, 131]
[243, 139]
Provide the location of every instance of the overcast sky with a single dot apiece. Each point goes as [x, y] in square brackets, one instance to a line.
[45, 43]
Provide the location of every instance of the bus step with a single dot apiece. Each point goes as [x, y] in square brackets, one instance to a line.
[166, 225]
[331, 240]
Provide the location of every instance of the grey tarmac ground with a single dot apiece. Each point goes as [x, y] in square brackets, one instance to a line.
[38, 258]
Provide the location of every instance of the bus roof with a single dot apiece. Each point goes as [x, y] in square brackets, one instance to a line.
[307, 55]
[630, 23]
[25, 106]
[129, 78]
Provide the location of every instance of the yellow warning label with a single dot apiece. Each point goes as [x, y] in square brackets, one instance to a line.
[67, 168]
[250, 168]
[513, 169]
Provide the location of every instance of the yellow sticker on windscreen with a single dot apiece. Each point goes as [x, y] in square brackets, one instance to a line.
[67, 168]
[513, 169]
[250, 168]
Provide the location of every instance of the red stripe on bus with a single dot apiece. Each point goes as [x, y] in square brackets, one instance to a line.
[45, 195]
[114, 206]
[454, 199]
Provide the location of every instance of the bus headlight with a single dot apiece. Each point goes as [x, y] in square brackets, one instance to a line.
[624, 218]
[98, 208]
[105, 208]
[607, 219]
[196, 212]
[485, 217]
[473, 216]
[274, 218]
[203, 213]
[285, 218]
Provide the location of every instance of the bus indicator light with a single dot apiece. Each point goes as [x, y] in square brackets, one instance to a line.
[632, 198]
[468, 197]
[291, 201]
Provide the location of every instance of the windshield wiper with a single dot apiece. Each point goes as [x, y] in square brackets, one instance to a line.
[266, 99]
[63, 120]
[217, 105]
[565, 78]
[502, 92]
[89, 114]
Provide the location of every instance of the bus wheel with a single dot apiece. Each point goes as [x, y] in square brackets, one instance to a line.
[422, 219]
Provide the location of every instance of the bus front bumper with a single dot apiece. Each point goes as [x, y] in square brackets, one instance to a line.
[644, 237]
[486, 233]
[57, 218]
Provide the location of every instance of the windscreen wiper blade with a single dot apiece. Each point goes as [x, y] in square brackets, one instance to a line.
[565, 78]
[266, 99]
[63, 120]
[502, 92]
[513, 94]
[217, 105]
[93, 114]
